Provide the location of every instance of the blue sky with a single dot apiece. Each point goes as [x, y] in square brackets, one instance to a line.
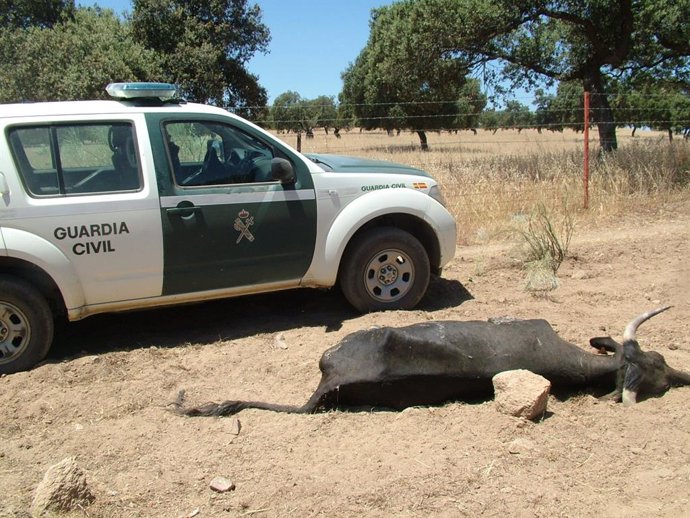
[312, 42]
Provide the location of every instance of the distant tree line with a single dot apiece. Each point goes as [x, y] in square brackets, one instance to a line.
[654, 108]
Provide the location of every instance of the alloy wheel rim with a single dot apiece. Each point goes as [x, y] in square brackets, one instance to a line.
[14, 332]
[389, 275]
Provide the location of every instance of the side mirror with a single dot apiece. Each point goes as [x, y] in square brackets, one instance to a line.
[282, 170]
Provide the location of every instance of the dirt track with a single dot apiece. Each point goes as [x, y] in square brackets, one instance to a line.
[102, 397]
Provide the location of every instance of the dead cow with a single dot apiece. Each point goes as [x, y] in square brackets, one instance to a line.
[436, 362]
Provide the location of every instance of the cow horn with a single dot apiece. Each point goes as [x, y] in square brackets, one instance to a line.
[631, 328]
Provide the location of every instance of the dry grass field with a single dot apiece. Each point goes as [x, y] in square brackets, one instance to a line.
[490, 181]
[102, 396]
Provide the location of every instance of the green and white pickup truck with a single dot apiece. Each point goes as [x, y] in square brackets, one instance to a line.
[147, 200]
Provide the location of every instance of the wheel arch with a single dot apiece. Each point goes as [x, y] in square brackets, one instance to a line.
[39, 261]
[38, 278]
[411, 224]
[407, 209]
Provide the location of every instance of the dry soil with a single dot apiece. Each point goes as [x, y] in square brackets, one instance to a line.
[102, 395]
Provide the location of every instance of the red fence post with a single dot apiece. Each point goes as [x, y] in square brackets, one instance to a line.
[586, 158]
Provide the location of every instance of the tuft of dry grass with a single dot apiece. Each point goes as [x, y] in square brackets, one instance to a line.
[489, 179]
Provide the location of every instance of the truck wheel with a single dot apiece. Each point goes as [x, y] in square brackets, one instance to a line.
[385, 268]
[26, 325]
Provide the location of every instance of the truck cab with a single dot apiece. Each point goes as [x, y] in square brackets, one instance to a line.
[146, 200]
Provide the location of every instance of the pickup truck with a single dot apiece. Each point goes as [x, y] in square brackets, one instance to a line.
[146, 200]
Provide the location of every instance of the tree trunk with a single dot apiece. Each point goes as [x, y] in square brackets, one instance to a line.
[602, 114]
[422, 140]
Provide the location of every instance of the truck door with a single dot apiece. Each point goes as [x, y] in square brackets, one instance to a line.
[226, 222]
[85, 191]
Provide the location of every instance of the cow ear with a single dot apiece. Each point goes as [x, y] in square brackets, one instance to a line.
[605, 342]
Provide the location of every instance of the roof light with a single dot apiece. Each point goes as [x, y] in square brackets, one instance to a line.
[162, 91]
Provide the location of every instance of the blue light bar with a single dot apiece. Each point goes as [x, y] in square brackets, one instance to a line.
[162, 91]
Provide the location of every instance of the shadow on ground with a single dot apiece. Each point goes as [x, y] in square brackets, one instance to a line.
[226, 319]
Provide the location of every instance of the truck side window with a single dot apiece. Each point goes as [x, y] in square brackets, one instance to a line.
[208, 153]
[64, 160]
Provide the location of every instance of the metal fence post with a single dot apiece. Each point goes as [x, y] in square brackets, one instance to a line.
[586, 151]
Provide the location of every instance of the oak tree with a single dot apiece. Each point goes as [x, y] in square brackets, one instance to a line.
[205, 46]
[535, 42]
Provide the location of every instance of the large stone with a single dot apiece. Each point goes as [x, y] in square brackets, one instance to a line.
[521, 393]
[62, 489]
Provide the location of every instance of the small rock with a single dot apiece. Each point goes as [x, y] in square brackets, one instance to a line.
[580, 275]
[279, 341]
[235, 426]
[521, 393]
[222, 485]
[520, 446]
[62, 489]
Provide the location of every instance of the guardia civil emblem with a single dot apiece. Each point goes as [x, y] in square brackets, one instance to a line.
[242, 223]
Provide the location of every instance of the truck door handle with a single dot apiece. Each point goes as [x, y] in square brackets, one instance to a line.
[183, 209]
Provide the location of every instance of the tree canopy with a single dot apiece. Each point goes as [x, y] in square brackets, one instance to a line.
[291, 112]
[22, 14]
[50, 50]
[533, 42]
[391, 86]
[73, 60]
[205, 46]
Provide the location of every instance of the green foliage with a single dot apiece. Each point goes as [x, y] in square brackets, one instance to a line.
[515, 115]
[22, 14]
[528, 42]
[51, 51]
[471, 103]
[546, 241]
[563, 110]
[324, 111]
[205, 46]
[407, 82]
[73, 60]
[290, 112]
[663, 108]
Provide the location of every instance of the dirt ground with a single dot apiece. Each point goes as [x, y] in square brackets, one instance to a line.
[102, 397]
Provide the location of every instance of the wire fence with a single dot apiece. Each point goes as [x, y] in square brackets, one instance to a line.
[667, 111]
[498, 167]
[494, 180]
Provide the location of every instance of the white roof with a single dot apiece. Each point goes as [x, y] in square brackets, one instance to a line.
[67, 108]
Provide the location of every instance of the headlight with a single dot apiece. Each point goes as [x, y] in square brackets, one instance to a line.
[435, 193]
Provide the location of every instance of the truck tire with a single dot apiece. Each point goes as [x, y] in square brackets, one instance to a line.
[384, 268]
[26, 325]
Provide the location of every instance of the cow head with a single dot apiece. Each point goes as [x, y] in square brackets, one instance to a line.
[646, 373]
